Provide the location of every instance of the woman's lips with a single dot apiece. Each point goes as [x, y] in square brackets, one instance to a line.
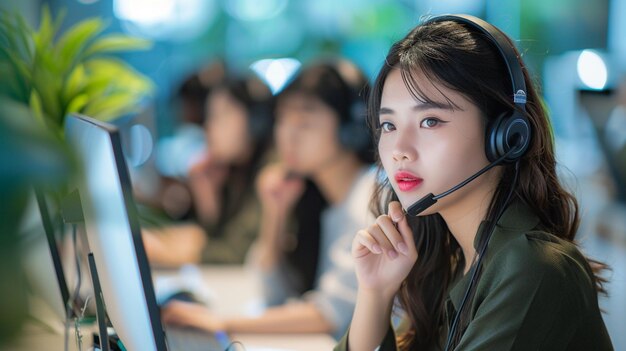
[407, 181]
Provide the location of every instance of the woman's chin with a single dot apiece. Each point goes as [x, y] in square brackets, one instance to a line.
[407, 202]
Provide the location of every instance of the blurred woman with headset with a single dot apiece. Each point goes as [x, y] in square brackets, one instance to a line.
[323, 146]
[238, 126]
[489, 263]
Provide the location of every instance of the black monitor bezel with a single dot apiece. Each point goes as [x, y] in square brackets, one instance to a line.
[54, 250]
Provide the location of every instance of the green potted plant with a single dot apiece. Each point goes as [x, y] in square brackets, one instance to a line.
[60, 73]
[46, 75]
[29, 155]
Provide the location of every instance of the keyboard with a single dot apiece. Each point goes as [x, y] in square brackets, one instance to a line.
[187, 339]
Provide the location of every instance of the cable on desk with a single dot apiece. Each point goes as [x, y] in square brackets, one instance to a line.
[233, 343]
[71, 308]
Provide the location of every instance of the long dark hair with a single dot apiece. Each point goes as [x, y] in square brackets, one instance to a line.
[256, 97]
[340, 85]
[462, 59]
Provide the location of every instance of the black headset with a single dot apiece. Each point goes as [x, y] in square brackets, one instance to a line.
[511, 129]
[507, 137]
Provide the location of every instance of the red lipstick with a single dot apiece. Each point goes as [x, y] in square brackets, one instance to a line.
[407, 181]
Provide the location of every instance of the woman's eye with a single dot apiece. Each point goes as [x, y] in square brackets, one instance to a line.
[430, 122]
[387, 127]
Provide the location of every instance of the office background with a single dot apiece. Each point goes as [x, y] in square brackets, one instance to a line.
[574, 48]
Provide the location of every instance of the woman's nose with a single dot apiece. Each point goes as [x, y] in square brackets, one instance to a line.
[404, 148]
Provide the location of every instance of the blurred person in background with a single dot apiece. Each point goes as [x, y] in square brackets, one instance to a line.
[238, 130]
[169, 197]
[322, 143]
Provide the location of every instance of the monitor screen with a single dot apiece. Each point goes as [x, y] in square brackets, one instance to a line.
[113, 234]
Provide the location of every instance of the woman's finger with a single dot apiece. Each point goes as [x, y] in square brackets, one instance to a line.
[398, 216]
[382, 239]
[364, 244]
[388, 227]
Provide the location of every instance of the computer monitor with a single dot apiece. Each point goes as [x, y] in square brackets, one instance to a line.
[113, 234]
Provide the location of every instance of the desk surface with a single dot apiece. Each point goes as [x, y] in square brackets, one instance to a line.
[235, 291]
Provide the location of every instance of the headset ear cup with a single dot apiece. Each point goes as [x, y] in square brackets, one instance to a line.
[506, 131]
[517, 135]
[493, 135]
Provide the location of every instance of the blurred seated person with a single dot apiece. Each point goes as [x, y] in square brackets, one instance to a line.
[167, 196]
[238, 131]
[323, 144]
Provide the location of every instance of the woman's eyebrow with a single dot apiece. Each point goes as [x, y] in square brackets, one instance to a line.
[432, 105]
[419, 107]
[385, 111]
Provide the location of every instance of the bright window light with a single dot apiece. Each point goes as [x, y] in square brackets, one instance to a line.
[276, 72]
[592, 70]
[144, 12]
[165, 19]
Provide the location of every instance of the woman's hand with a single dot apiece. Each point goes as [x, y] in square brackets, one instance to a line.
[186, 314]
[278, 191]
[384, 253]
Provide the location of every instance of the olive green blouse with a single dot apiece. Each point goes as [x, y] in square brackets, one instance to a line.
[536, 292]
[231, 244]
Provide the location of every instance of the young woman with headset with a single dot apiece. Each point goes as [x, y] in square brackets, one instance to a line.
[322, 143]
[488, 263]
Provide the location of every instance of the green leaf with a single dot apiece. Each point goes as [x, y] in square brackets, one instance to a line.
[36, 106]
[21, 75]
[16, 36]
[26, 36]
[9, 34]
[56, 77]
[116, 43]
[77, 104]
[104, 65]
[75, 40]
[19, 65]
[75, 83]
[48, 85]
[111, 106]
[97, 86]
[12, 86]
[122, 74]
[46, 32]
[111, 76]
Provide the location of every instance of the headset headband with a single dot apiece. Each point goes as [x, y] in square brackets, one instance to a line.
[506, 51]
